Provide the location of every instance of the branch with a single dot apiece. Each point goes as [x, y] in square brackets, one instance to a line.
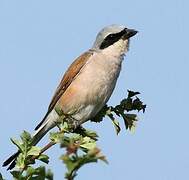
[80, 139]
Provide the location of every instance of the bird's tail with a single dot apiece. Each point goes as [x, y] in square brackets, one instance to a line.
[48, 124]
[11, 160]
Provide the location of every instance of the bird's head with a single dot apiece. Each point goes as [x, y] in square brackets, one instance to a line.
[114, 38]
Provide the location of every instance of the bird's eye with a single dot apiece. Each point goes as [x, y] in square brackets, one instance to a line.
[111, 36]
[111, 39]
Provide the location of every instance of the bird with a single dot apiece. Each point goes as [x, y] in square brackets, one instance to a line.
[87, 84]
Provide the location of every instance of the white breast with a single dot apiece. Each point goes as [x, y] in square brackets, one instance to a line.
[95, 84]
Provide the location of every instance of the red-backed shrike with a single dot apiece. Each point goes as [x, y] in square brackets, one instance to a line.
[88, 83]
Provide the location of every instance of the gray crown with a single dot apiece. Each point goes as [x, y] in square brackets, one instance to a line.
[105, 32]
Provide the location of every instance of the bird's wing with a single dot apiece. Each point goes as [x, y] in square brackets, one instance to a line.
[67, 79]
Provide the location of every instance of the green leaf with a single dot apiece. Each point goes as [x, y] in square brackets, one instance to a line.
[1, 177]
[44, 158]
[103, 158]
[30, 171]
[130, 120]
[26, 137]
[85, 132]
[132, 117]
[18, 144]
[91, 134]
[127, 104]
[87, 140]
[133, 127]
[76, 137]
[68, 162]
[132, 93]
[88, 146]
[64, 126]
[116, 125]
[80, 144]
[56, 137]
[40, 171]
[100, 115]
[20, 162]
[138, 105]
[88, 143]
[34, 151]
[17, 175]
[49, 175]
[96, 153]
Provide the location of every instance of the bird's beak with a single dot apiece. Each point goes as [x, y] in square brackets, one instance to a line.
[129, 33]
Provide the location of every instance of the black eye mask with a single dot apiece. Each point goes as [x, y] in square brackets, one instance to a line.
[112, 38]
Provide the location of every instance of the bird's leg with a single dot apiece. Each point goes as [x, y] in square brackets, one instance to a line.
[58, 126]
[63, 117]
[72, 123]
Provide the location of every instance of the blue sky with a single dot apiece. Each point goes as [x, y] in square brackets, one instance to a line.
[38, 41]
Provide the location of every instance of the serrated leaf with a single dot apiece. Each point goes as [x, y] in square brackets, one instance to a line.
[49, 175]
[56, 137]
[18, 144]
[44, 158]
[30, 171]
[26, 137]
[132, 93]
[64, 126]
[36, 174]
[68, 162]
[103, 158]
[127, 104]
[16, 174]
[100, 115]
[129, 120]
[34, 151]
[90, 145]
[116, 125]
[76, 137]
[91, 134]
[95, 154]
[138, 105]
[133, 128]
[131, 116]
[87, 140]
[20, 162]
